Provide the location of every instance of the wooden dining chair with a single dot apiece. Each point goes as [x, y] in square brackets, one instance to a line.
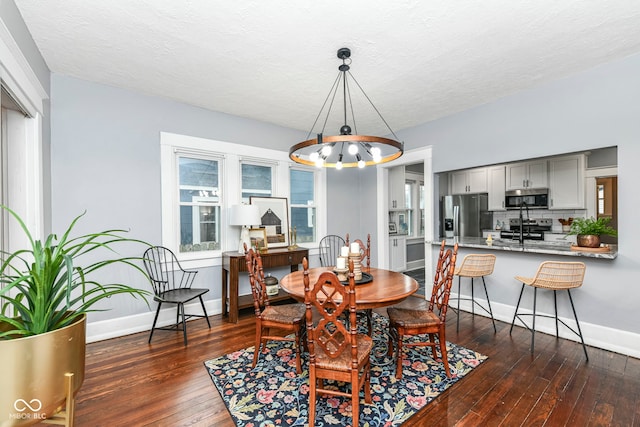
[365, 256]
[429, 319]
[337, 352]
[286, 318]
[365, 250]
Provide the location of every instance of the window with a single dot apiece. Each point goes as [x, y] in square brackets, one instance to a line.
[303, 206]
[414, 197]
[199, 186]
[256, 181]
[200, 201]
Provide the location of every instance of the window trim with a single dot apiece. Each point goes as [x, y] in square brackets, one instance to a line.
[231, 191]
[319, 179]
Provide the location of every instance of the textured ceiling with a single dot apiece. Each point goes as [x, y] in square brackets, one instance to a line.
[276, 60]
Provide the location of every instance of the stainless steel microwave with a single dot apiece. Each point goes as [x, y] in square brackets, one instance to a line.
[537, 198]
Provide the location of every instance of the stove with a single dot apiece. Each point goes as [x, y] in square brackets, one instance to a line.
[532, 229]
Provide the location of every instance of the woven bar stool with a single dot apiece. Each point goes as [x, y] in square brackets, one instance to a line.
[556, 276]
[475, 266]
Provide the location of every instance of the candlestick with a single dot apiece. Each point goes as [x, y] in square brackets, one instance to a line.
[355, 248]
[341, 262]
[344, 251]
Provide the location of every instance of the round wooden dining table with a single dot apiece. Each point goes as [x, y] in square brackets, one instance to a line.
[386, 288]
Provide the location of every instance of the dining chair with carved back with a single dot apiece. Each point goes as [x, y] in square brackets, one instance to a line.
[336, 350]
[287, 318]
[365, 256]
[428, 318]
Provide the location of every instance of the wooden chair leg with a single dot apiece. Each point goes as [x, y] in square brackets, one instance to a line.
[312, 396]
[355, 398]
[443, 352]
[297, 350]
[258, 343]
[399, 356]
[367, 383]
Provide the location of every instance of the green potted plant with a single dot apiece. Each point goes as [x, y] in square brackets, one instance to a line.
[589, 230]
[46, 290]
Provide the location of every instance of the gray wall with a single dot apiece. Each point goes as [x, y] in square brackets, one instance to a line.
[351, 205]
[106, 161]
[594, 109]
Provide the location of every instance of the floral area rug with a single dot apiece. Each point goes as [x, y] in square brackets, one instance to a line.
[273, 394]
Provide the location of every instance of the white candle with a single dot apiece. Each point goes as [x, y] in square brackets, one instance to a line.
[344, 251]
[355, 248]
[340, 263]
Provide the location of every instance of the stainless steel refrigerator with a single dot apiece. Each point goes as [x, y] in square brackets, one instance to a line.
[465, 215]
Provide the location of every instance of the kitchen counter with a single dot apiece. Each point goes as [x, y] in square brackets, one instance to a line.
[529, 246]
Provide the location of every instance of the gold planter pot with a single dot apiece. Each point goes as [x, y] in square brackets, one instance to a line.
[34, 374]
[588, 240]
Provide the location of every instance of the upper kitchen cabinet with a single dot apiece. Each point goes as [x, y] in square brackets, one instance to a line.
[396, 188]
[468, 181]
[566, 182]
[496, 187]
[527, 175]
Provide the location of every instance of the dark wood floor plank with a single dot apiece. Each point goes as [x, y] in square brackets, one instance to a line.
[129, 382]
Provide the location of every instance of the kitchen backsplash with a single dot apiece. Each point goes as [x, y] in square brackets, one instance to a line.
[504, 216]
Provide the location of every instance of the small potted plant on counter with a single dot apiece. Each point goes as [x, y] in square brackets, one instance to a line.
[589, 230]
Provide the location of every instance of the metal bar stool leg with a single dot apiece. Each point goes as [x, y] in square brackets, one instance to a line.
[584, 347]
[533, 327]
[517, 306]
[489, 303]
[473, 300]
[458, 311]
[555, 306]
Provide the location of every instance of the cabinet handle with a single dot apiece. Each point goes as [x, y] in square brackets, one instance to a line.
[551, 202]
[503, 203]
[524, 184]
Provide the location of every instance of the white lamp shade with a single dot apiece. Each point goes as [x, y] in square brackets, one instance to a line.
[244, 215]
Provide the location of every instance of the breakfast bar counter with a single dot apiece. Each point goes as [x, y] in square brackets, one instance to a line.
[529, 246]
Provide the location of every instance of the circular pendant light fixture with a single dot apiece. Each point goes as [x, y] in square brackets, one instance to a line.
[345, 150]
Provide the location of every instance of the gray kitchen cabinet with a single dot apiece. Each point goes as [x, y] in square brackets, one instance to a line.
[496, 186]
[469, 181]
[566, 182]
[531, 174]
[396, 188]
[398, 253]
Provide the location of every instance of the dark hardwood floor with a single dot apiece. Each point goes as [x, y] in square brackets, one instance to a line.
[131, 383]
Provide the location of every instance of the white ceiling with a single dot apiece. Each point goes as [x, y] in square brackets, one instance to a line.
[275, 61]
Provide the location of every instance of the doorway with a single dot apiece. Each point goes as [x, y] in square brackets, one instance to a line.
[607, 204]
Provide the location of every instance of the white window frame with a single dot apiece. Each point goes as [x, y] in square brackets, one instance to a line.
[260, 162]
[231, 184]
[319, 199]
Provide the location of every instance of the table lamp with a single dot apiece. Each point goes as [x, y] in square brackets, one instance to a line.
[245, 216]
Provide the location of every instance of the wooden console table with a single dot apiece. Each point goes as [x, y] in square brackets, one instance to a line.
[233, 263]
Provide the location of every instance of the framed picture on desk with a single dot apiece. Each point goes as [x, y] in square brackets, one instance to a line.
[258, 237]
[274, 217]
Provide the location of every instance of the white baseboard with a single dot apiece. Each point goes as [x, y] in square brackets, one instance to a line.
[414, 265]
[622, 342]
[113, 328]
